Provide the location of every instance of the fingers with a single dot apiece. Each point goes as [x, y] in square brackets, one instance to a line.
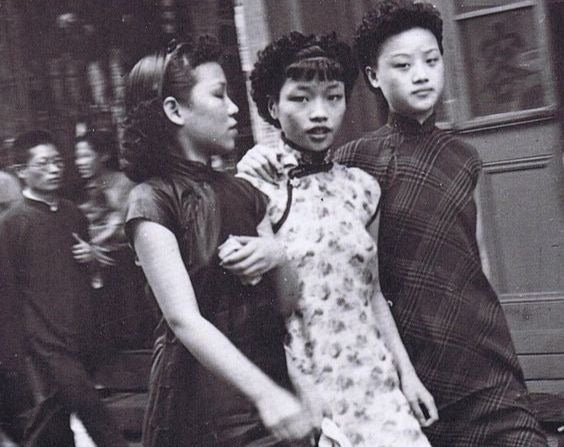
[425, 410]
[417, 411]
[250, 266]
[238, 255]
[432, 411]
[105, 259]
[226, 251]
[293, 427]
[78, 239]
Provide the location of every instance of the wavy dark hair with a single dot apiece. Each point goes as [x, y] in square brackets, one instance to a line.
[300, 57]
[389, 18]
[148, 135]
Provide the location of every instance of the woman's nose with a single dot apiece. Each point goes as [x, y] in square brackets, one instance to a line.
[318, 110]
[419, 73]
[232, 108]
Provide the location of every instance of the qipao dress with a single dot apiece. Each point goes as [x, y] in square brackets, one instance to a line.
[189, 405]
[449, 316]
[335, 352]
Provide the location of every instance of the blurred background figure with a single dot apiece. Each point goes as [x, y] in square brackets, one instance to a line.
[10, 188]
[123, 315]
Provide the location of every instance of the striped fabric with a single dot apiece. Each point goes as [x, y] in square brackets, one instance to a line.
[449, 316]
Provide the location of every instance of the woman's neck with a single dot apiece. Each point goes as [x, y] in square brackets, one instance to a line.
[191, 153]
[307, 156]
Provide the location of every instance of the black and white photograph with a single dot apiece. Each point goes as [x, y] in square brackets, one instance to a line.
[282, 223]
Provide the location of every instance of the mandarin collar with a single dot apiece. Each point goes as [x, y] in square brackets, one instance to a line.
[409, 125]
[53, 206]
[302, 155]
[196, 170]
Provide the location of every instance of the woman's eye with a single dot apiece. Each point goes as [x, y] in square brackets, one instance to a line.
[433, 61]
[298, 98]
[402, 66]
[335, 97]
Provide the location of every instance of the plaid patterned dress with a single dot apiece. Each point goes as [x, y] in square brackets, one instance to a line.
[450, 318]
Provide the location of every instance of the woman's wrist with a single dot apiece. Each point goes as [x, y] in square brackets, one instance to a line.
[406, 370]
[262, 390]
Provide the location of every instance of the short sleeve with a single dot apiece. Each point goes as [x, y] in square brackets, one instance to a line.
[469, 159]
[368, 192]
[274, 195]
[152, 203]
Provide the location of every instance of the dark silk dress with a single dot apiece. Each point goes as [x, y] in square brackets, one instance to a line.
[188, 406]
[448, 315]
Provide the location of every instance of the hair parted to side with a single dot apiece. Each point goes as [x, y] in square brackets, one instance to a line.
[28, 140]
[148, 135]
[389, 18]
[299, 57]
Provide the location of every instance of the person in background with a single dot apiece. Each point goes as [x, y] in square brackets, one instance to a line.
[219, 376]
[10, 188]
[49, 299]
[343, 348]
[431, 256]
[124, 318]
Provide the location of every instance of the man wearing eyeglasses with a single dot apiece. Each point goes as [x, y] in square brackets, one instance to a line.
[46, 304]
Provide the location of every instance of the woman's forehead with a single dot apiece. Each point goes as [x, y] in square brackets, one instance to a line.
[209, 73]
[312, 84]
[411, 41]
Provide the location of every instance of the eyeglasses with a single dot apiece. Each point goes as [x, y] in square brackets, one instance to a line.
[44, 163]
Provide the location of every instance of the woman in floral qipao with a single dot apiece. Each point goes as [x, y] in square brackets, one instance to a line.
[343, 348]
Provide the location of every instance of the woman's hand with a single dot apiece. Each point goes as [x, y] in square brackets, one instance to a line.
[261, 161]
[284, 415]
[248, 257]
[82, 251]
[418, 397]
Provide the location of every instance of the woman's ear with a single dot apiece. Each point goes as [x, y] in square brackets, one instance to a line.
[372, 76]
[172, 111]
[273, 107]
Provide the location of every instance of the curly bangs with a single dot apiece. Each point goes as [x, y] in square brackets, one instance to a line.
[300, 58]
[392, 17]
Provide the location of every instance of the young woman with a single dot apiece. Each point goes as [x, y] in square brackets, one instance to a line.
[219, 376]
[343, 348]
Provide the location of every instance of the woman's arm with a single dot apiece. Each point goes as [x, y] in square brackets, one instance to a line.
[412, 388]
[158, 252]
[261, 161]
[484, 258]
[284, 275]
[250, 257]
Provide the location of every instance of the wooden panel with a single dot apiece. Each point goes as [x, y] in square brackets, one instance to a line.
[549, 341]
[546, 386]
[526, 241]
[535, 312]
[543, 366]
[537, 328]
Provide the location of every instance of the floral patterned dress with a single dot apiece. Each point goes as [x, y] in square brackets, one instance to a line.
[336, 355]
